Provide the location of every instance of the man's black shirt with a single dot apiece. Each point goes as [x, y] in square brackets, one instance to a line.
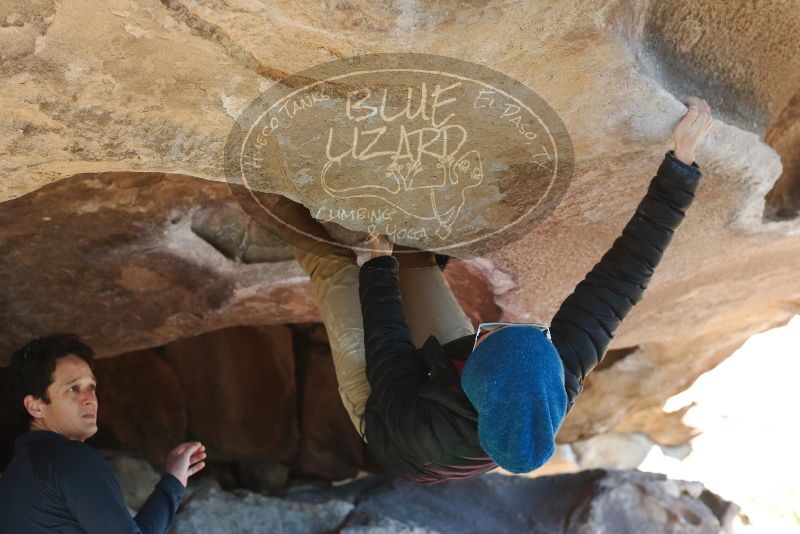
[54, 484]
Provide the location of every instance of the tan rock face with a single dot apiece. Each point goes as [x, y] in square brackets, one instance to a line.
[740, 53]
[133, 270]
[135, 260]
[92, 91]
[783, 202]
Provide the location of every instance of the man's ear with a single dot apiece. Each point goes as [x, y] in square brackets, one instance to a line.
[34, 406]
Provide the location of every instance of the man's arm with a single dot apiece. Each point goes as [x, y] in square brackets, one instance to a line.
[94, 497]
[588, 319]
[157, 513]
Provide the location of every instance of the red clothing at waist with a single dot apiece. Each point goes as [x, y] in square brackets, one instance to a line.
[459, 365]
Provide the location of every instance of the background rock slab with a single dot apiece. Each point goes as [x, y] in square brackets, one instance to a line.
[589, 501]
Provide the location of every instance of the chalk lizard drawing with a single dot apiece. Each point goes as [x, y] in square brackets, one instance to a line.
[447, 192]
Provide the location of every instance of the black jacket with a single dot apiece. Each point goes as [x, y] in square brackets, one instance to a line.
[54, 484]
[419, 424]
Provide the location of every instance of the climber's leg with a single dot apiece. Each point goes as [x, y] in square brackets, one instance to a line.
[334, 282]
[431, 308]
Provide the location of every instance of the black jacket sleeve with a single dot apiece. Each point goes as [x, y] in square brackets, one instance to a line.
[387, 338]
[410, 418]
[93, 495]
[394, 371]
[157, 513]
[587, 320]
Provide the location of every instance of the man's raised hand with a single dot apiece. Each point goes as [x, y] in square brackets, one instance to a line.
[185, 460]
[691, 129]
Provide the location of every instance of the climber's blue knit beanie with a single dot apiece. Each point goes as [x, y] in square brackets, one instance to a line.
[515, 380]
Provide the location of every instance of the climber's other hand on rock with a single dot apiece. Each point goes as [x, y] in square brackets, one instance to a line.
[185, 460]
[692, 128]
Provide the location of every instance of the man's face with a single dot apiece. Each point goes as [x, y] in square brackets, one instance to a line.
[72, 411]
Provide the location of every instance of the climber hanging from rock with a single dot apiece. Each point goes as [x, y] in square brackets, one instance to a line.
[436, 400]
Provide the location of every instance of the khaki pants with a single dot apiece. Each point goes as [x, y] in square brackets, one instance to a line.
[431, 308]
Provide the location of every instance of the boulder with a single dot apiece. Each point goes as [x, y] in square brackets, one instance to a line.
[240, 394]
[142, 409]
[330, 447]
[589, 501]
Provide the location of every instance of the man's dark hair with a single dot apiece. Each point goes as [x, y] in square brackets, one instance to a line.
[32, 366]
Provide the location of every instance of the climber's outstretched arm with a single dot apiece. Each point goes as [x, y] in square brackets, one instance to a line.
[587, 320]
